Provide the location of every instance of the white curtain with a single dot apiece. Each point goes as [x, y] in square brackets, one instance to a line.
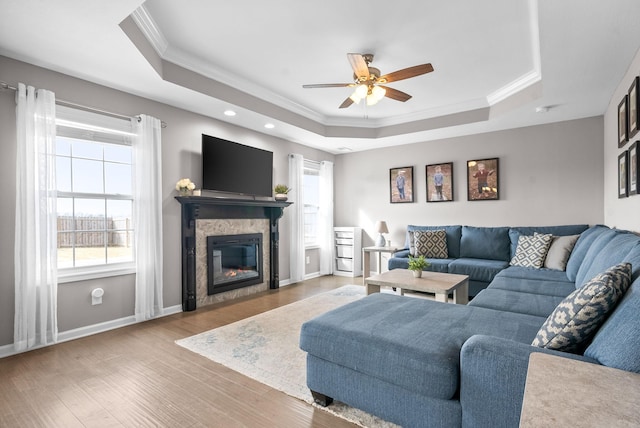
[147, 216]
[36, 282]
[296, 183]
[325, 226]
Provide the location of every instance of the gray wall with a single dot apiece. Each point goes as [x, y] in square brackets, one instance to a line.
[620, 213]
[549, 175]
[181, 141]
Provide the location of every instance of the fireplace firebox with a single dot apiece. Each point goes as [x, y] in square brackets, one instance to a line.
[233, 261]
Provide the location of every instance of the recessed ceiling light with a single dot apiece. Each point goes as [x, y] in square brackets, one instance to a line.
[542, 109]
[269, 125]
[229, 113]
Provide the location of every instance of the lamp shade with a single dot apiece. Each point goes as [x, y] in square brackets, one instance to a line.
[381, 227]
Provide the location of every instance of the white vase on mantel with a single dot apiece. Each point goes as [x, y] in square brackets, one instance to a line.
[281, 197]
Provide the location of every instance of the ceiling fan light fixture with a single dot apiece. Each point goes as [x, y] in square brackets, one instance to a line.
[378, 92]
[355, 98]
[371, 100]
[361, 91]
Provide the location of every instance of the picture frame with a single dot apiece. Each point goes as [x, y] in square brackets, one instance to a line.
[634, 176]
[401, 184]
[623, 162]
[623, 122]
[439, 178]
[634, 110]
[483, 183]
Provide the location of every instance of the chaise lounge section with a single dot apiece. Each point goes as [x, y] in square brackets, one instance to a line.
[418, 362]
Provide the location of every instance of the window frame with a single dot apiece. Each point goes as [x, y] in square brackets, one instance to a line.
[100, 129]
[315, 167]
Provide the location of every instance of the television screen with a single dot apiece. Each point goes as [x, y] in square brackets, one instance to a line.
[236, 168]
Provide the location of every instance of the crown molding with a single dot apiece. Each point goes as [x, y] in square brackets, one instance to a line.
[150, 29]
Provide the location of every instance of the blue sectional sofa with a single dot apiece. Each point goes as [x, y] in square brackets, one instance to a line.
[422, 363]
[480, 252]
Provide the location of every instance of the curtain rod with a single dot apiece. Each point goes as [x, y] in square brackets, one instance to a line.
[5, 85]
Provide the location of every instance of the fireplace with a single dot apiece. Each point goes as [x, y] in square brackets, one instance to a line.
[202, 217]
[233, 261]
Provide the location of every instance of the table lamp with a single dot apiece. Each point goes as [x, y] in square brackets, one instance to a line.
[381, 227]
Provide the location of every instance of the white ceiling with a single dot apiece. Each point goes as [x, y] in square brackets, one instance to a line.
[495, 62]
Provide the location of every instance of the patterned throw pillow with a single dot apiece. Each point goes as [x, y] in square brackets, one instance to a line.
[579, 315]
[532, 250]
[431, 243]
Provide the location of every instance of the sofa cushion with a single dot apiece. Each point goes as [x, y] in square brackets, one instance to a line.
[430, 243]
[539, 305]
[409, 342]
[569, 229]
[607, 250]
[531, 250]
[453, 237]
[477, 269]
[617, 343]
[582, 246]
[559, 252]
[534, 286]
[485, 243]
[572, 323]
[535, 274]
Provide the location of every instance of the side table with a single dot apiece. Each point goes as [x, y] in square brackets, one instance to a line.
[564, 392]
[366, 259]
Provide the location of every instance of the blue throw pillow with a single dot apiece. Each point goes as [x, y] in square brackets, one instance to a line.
[578, 316]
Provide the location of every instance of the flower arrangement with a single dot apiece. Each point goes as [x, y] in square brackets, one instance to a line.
[185, 186]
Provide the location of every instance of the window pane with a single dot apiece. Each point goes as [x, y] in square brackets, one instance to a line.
[90, 214]
[63, 174]
[119, 214]
[65, 208]
[90, 254]
[120, 253]
[87, 176]
[117, 153]
[65, 248]
[87, 150]
[117, 178]
[63, 146]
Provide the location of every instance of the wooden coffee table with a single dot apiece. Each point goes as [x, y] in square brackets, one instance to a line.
[441, 284]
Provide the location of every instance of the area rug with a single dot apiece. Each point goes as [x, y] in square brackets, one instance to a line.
[265, 348]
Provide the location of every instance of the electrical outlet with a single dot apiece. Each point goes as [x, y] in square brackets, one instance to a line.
[308, 259]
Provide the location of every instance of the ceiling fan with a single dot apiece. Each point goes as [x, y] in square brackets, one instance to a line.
[368, 82]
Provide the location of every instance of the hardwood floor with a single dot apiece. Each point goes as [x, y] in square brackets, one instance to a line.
[137, 376]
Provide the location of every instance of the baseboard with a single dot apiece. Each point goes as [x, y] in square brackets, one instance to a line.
[77, 333]
[312, 275]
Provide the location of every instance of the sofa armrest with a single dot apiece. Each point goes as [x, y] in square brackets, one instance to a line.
[493, 373]
[402, 253]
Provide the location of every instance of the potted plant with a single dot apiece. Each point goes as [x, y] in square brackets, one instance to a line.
[281, 191]
[417, 264]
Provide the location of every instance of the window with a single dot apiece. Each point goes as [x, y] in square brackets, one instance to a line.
[311, 196]
[95, 199]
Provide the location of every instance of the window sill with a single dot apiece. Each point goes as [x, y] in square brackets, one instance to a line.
[94, 272]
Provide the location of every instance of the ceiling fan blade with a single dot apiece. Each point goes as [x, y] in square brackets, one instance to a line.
[395, 94]
[346, 103]
[329, 85]
[359, 65]
[406, 73]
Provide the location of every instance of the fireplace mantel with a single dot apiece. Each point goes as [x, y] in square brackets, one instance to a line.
[202, 207]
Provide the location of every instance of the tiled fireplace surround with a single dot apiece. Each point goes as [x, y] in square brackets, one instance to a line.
[204, 216]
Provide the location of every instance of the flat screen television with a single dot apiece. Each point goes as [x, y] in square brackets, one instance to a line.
[235, 168]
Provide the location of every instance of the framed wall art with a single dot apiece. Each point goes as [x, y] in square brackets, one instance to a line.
[483, 180]
[623, 123]
[634, 112]
[440, 182]
[623, 162]
[633, 169]
[401, 184]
